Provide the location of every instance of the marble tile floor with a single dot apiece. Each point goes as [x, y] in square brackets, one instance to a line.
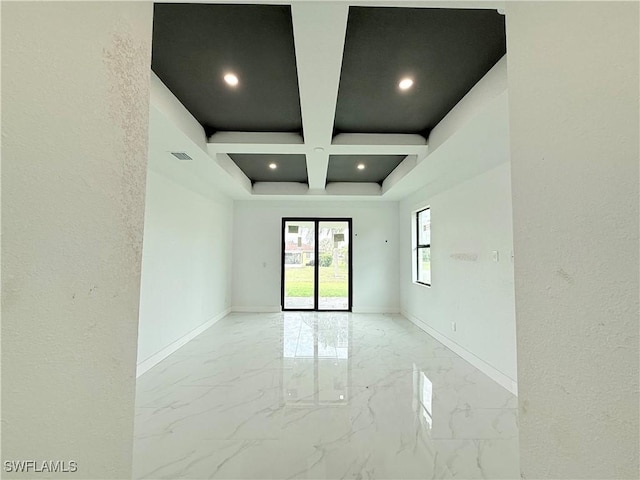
[324, 396]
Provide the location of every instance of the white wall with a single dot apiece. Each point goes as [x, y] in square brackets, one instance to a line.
[75, 103]
[257, 251]
[468, 222]
[465, 179]
[186, 264]
[573, 92]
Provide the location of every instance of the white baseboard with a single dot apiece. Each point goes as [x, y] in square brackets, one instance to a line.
[375, 310]
[156, 358]
[265, 309]
[490, 371]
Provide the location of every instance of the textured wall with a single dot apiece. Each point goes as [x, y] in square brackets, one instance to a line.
[75, 103]
[573, 92]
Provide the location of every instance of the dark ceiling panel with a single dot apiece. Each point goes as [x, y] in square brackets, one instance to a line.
[344, 168]
[194, 45]
[290, 168]
[445, 51]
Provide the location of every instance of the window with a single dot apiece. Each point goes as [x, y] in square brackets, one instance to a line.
[423, 246]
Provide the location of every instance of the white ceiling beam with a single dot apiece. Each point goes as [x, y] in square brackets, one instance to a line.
[270, 148]
[378, 139]
[334, 189]
[256, 142]
[257, 137]
[319, 30]
[317, 167]
[420, 150]
[280, 188]
[378, 144]
[348, 189]
[292, 143]
[263, 148]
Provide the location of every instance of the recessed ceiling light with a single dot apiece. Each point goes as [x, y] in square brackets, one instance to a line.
[361, 166]
[273, 166]
[405, 84]
[231, 79]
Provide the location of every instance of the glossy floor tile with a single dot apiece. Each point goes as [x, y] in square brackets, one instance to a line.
[323, 396]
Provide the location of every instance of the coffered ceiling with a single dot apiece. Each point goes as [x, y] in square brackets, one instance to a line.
[312, 93]
[195, 45]
[443, 51]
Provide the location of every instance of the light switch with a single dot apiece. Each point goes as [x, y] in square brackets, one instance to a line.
[495, 256]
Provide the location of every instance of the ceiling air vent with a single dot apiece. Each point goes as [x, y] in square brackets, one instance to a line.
[181, 156]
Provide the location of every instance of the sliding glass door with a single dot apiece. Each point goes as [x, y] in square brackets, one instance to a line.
[316, 264]
[333, 265]
[298, 260]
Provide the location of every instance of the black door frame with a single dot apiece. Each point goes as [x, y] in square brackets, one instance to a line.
[316, 271]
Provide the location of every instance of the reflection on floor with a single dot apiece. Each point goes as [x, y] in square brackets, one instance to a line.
[321, 395]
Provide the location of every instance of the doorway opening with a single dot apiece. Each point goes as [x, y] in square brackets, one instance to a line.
[316, 264]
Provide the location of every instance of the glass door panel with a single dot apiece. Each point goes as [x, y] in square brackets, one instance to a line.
[299, 265]
[333, 265]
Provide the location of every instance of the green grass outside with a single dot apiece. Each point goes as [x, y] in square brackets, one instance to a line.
[425, 274]
[299, 282]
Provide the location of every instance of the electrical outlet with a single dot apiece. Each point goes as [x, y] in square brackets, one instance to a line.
[453, 326]
[495, 256]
